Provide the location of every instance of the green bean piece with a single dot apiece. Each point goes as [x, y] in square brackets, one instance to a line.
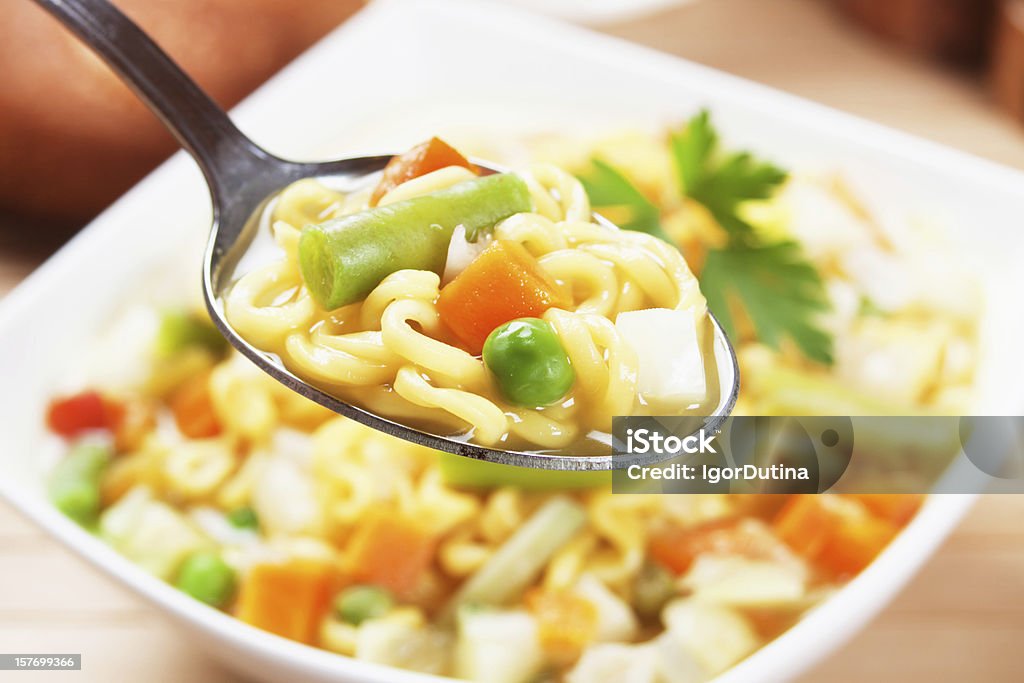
[74, 485]
[519, 561]
[180, 330]
[342, 260]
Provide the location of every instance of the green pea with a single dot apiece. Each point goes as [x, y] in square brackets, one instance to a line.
[356, 604]
[207, 578]
[180, 330]
[74, 484]
[528, 362]
[244, 518]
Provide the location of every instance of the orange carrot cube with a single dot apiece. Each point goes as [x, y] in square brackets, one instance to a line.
[503, 283]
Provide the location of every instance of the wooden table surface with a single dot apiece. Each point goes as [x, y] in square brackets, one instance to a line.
[961, 619]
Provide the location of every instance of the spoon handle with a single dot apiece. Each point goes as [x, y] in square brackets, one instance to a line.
[200, 125]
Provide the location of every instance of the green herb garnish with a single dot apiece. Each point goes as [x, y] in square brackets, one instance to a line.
[610, 189]
[778, 288]
[722, 182]
[772, 282]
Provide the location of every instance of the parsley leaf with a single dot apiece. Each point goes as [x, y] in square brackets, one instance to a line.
[780, 290]
[774, 284]
[718, 181]
[610, 189]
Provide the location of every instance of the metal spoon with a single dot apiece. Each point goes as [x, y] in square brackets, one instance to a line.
[242, 177]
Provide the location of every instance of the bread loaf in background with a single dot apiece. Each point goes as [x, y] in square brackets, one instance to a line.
[73, 138]
[971, 33]
[1008, 59]
[955, 30]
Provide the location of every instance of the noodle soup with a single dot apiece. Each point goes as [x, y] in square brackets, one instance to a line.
[492, 307]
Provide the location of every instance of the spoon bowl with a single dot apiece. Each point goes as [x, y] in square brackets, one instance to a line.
[242, 177]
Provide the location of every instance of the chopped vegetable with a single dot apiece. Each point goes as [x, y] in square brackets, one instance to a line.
[521, 558]
[70, 416]
[193, 408]
[856, 544]
[338, 636]
[611, 191]
[284, 496]
[356, 604]
[400, 639]
[392, 551]
[667, 346]
[497, 647]
[344, 259]
[129, 421]
[623, 663]
[740, 582]
[206, 577]
[151, 533]
[566, 622]
[135, 420]
[461, 252]
[288, 599]
[676, 547]
[712, 636]
[167, 375]
[244, 518]
[529, 363]
[615, 618]
[219, 528]
[432, 155]
[125, 473]
[834, 533]
[74, 485]
[504, 283]
[781, 292]
[180, 330]
[653, 587]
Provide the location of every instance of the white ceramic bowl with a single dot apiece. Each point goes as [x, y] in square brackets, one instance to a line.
[489, 69]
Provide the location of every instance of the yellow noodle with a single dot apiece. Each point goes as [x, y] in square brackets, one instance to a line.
[436, 357]
[487, 419]
[431, 182]
[250, 306]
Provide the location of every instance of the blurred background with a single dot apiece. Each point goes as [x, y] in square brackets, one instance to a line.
[73, 139]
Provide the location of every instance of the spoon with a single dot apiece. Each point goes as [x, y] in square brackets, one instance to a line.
[242, 177]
